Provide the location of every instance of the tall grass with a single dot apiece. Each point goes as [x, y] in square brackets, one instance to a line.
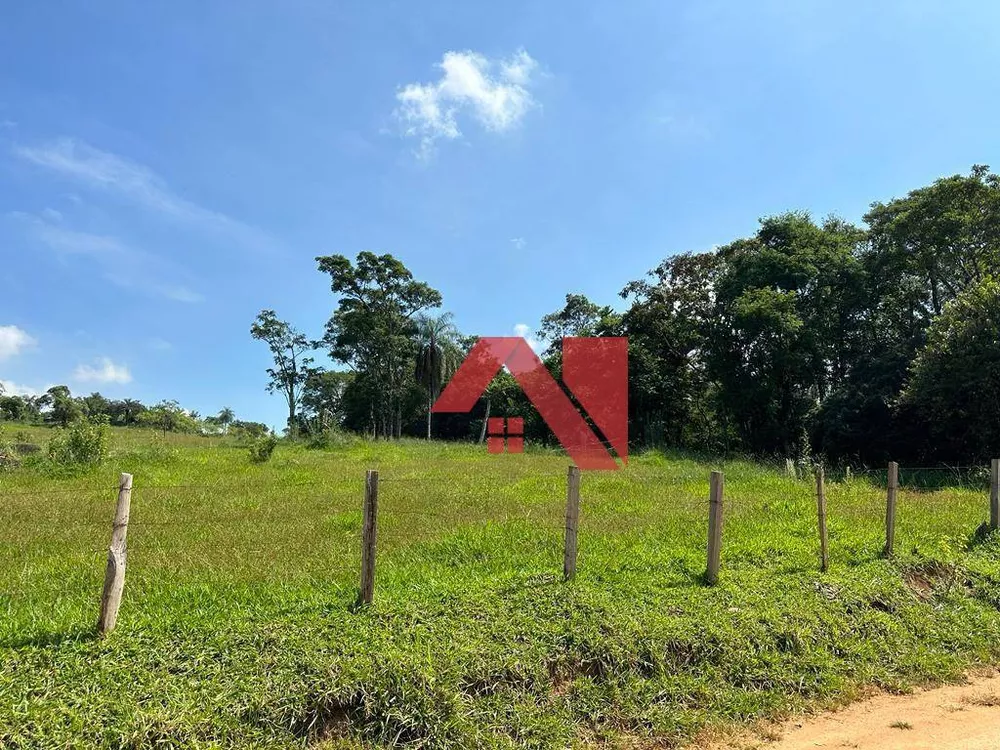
[238, 627]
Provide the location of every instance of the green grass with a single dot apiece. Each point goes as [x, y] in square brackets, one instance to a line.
[238, 627]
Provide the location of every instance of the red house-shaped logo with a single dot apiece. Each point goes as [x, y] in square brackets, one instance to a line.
[595, 374]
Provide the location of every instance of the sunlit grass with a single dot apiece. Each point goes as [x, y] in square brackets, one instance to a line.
[238, 626]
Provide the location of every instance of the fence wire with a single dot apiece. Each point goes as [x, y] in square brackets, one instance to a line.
[508, 522]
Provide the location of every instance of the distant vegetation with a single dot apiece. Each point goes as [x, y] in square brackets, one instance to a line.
[806, 339]
[58, 407]
[79, 440]
[855, 344]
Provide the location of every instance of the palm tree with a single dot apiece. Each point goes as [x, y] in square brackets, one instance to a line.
[226, 417]
[131, 410]
[438, 356]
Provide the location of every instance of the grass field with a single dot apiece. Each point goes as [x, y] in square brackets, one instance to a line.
[238, 627]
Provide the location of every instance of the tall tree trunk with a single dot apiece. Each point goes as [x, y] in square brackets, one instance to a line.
[486, 419]
[430, 405]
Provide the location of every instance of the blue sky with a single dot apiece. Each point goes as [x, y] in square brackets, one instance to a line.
[167, 169]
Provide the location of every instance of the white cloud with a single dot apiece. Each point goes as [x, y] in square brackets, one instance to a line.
[106, 372]
[524, 331]
[494, 92]
[122, 265]
[518, 242]
[13, 341]
[13, 389]
[135, 182]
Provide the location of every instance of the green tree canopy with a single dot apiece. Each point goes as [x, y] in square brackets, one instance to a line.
[372, 330]
[438, 355]
[954, 388]
[289, 350]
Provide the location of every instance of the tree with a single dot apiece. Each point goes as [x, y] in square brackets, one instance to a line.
[922, 250]
[63, 408]
[225, 417]
[671, 398]
[438, 356]
[578, 317]
[945, 237]
[372, 330]
[249, 430]
[291, 365]
[323, 396]
[954, 387]
[126, 412]
[96, 405]
[15, 408]
[789, 305]
[168, 416]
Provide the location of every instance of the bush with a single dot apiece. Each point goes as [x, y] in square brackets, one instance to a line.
[330, 438]
[261, 448]
[84, 443]
[246, 431]
[9, 458]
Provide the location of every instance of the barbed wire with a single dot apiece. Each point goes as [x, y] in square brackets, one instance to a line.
[644, 503]
[624, 476]
[57, 491]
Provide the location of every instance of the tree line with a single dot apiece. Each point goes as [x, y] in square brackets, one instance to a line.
[854, 342]
[806, 338]
[60, 408]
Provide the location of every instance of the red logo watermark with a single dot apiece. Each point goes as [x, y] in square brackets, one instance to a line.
[595, 374]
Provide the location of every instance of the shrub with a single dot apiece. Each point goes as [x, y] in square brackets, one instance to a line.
[243, 431]
[9, 458]
[261, 448]
[330, 438]
[83, 443]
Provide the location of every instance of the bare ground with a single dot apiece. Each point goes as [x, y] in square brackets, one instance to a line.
[956, 717]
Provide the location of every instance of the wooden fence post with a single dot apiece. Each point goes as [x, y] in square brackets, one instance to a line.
[717, 484]
[114, 574]
[572, 521]
[824, 557]
[368, 532]
[995, 494]
[790, 468]
[890, 508]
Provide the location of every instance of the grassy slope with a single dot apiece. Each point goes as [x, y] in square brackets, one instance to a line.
[237, 628]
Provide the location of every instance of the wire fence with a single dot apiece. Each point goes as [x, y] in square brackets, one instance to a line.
[512, 522]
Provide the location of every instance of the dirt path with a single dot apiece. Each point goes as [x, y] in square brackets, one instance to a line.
[957, 717]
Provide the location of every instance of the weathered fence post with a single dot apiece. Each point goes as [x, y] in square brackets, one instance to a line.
[572, 521]
[368, 532]
[114, 574]
[890, 508]
[717, 483]
[824, 557]
[995, 494]
[790, 468]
